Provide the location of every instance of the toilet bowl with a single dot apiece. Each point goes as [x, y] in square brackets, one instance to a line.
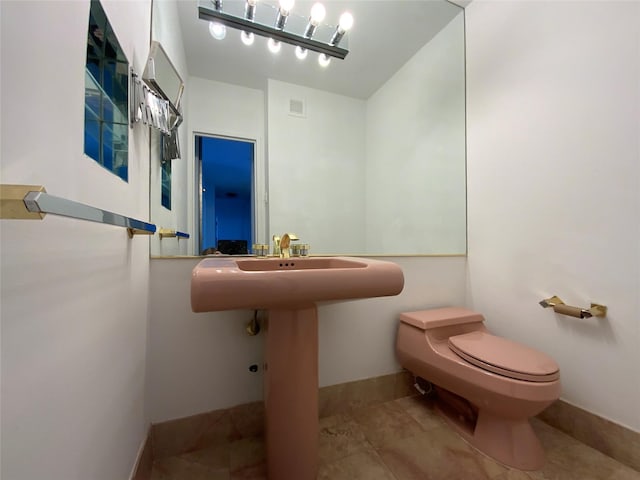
[487, 386]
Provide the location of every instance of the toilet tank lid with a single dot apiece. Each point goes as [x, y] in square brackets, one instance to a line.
[440, 317]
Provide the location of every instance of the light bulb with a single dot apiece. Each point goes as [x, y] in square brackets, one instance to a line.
[274, 46]
[301, 53]
[318, 13]
[217, 30]
[286, 5]
[247, 38]
[324, 60]
[346, 21]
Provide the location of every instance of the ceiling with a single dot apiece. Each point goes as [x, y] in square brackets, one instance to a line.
[386, 33]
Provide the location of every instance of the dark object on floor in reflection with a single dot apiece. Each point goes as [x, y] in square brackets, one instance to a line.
[233, 247]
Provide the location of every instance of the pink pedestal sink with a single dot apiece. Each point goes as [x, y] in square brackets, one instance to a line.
[289, 289]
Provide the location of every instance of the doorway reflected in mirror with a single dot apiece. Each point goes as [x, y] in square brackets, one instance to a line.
[226, 194]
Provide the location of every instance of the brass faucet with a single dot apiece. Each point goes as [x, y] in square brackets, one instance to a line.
[276, 246]
[285, 244]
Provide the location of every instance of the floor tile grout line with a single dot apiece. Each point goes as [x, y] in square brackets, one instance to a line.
[388, 468]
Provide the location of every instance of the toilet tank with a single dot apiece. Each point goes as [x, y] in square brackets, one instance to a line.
[424, 332]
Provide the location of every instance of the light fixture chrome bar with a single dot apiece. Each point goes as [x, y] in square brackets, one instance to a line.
[337, 36]
[250, 11]
[310, 30]
[281, 20]
[42, 202]
[205, 13]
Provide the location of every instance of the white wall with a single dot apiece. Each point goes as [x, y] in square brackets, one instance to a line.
[74, 294]
[199, 361]
[226, 110]
[316, 168]
[415, 149]
[166, 30]
[554, 187]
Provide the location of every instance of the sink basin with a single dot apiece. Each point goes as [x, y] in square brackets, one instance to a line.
[289, 289]
[269, 264]
[226, 283]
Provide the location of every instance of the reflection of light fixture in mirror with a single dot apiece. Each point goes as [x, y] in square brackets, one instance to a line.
[301, 53]
[249, 13]
[346, 22]
[250, 10]
[247, 38]
[274, 45]
[324, 60]
[318, 13]
[217, 30]
[283, 13]
[249, 21]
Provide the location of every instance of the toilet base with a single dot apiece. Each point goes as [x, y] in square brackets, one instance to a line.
[511, 442]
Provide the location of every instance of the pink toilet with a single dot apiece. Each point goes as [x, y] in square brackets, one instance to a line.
[488, 387]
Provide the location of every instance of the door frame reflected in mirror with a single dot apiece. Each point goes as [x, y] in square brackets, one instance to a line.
[232, 228]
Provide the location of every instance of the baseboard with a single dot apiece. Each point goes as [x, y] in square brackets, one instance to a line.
[200, 431]
[144, 460]
[183, 435]
[615, 441]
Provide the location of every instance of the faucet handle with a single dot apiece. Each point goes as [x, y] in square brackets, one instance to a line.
[276, 245]
[290, 236]
[286, 239]
[285, 243]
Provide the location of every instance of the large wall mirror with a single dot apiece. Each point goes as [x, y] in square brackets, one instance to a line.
[363, 157]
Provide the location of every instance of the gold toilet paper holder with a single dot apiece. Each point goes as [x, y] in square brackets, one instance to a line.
[559, 306]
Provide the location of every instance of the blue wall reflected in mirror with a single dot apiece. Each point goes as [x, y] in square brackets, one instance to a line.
[226, 209]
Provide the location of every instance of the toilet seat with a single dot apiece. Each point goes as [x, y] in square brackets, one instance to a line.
[504, 357]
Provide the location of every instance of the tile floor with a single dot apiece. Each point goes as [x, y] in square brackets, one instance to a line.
[402, 439]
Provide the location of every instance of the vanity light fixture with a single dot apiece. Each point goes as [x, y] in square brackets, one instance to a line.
[346, 22]
[247, 38]
[318, 12]
[250, 10]
[301, 53]
[283, 13]
[274, 45]
[324, 60]
[250, 14]
[280, 29]
[217, 29]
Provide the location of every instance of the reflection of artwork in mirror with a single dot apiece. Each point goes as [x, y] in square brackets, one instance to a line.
[226, 202]
[106, 121]
[166, 185]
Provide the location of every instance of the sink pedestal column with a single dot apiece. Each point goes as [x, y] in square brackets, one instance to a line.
[291, 394]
